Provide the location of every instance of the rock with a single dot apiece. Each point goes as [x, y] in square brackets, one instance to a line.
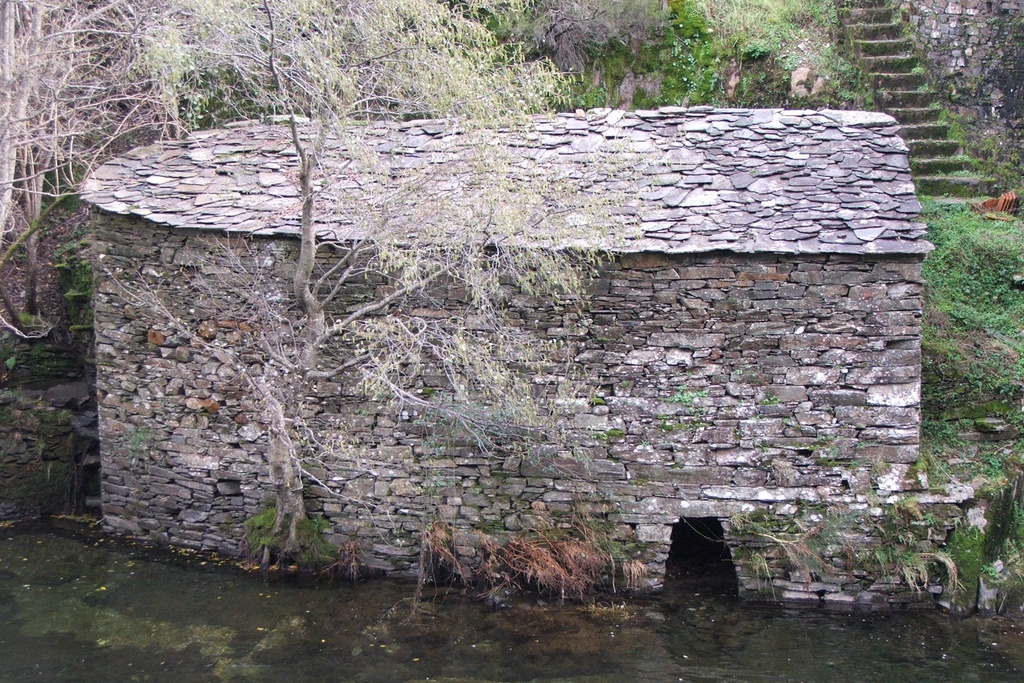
[988, 597]
[992, 425]
[801, 81]
[250, 432]
[991, 429]
[229, 488]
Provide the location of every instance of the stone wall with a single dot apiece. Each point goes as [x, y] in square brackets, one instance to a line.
[975, 50]
[40, 458]
[718, 384]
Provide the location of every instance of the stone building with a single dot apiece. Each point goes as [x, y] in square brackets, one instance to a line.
[752, 351]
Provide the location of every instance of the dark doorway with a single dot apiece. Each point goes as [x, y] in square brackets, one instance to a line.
[700, 555]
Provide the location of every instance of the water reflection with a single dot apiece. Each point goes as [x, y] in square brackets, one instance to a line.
[71, 610]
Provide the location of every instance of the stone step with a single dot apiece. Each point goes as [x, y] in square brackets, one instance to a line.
[958, 201]
[883, 48]
[938, 166]
[890, 31]
[932, 148]
[904, 99]
[898, 81]
[954, 186]
[890, 64]
[924, 131]
[915, 115]
[869, 15]
[870, 3]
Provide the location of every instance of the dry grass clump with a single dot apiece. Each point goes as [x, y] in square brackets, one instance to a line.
[545, 562]
[635, 572]
[346, 566]
[567, 567]
[439, 558]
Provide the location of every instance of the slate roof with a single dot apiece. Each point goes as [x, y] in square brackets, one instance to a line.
[765, 180]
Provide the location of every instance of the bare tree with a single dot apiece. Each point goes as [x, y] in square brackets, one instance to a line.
[484, 222]
[76, 77]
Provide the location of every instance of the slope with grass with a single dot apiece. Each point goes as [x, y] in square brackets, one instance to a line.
[646, 53]
[973, 394]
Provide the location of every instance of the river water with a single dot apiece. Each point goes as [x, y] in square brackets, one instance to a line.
[90, 611]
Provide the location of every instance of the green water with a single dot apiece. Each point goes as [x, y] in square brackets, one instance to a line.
[72, 610]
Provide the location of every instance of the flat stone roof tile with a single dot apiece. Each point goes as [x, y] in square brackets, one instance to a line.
[699, 179]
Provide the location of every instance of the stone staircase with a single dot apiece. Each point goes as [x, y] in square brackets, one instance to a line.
[900, 87]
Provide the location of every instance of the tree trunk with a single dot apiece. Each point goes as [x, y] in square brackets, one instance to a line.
[32, 275]
[32, 208]
[284, 470]
[8, 156]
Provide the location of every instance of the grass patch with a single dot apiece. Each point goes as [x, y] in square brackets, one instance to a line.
[973, 332]
[972, 344]
[763, 37]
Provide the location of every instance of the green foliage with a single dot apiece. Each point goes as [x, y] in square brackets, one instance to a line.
[676, 64]
[767, 39]
[970, 274]
[779, 27]
[916, 567]
[8, 358]
[1004, 534]
[995, 553]
[36, 365]
[789, 540]
[611, 435]
[686, 397]
[207, 99]
[993, 156]
[973, 340]
[138, 444]
[902, 550]
[691, 70]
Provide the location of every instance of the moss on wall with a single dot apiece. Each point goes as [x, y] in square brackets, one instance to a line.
[38, 472]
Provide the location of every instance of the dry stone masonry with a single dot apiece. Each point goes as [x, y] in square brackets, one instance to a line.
[47, 451]
[975, 48]
[753, 349]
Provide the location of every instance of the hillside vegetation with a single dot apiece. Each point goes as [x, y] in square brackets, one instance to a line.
[647, 53]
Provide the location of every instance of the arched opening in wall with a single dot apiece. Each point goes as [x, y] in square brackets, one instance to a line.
[699, 555]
